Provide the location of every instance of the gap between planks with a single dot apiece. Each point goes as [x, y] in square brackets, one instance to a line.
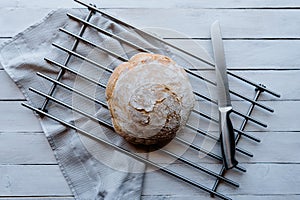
[30, 181]
[21, 149]
[285, 118]
[157, 4]
[260, 23]
[243, 54]
[167, 197]
[288, 79]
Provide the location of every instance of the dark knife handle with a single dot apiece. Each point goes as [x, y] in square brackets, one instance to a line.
[227, 138]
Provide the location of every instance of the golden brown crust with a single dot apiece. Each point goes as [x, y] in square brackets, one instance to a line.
[114, 78]
[173, 119]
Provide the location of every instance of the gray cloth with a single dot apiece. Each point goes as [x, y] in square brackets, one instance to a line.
[92, 170]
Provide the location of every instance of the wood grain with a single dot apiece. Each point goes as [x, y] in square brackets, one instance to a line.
[250, 54]
[282, 120]
[32, 180]
[272, 149]
[29, 180]
[25, 148]
[158, 4]
[288, 79]
[173, 197]
[260, 23]
[17, 118]
[206, 197]
[22, 148]
[285, 119]
[246, 54]
[286, 83]
[57, 197]
[19, 19]
[268, 179]
[276, 147]
[8, 89]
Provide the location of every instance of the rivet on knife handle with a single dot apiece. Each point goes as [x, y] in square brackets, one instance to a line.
[224, 101]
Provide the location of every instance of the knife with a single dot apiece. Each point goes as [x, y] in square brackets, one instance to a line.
[224, 102]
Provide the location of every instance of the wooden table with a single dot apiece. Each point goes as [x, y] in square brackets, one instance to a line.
[262, 43]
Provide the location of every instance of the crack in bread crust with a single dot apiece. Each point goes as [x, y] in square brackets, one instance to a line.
[150, 110]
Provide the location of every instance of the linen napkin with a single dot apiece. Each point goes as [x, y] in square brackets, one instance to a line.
[92, 170]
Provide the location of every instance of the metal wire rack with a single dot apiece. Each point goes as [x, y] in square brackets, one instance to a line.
[56, 82]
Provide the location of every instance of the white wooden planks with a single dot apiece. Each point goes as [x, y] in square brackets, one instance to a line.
[285, 82]
[16, 118]
[39, 198]
[260, 179]
[19, 19]
[268, 179]
[22, 148]
[32, 180]
[284, 119]
[206, 197]
[20, 119]
[157, 4]
[25, 148]
[8, 89]
[272, 173]
[254, 23]
[251, 54]
[288, 79]
[261, 23]
[174, 197]
[275, 147]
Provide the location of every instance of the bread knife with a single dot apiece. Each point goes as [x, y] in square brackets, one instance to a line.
[227, 136]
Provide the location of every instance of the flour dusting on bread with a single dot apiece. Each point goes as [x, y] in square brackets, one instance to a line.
[150, 99]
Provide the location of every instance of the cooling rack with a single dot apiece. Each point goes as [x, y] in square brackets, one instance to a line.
[65, 68]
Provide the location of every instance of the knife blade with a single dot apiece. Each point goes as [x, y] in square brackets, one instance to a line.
[224, 102]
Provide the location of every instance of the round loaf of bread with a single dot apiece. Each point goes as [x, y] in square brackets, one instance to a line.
[150, 99]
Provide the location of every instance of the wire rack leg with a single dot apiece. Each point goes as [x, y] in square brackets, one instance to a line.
[62, 71]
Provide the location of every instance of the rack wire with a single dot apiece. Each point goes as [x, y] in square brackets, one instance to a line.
[63, 68]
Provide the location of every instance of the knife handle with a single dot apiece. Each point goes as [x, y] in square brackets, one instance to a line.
[227, 138]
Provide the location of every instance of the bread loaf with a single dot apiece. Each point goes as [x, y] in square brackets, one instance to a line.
[150, 99]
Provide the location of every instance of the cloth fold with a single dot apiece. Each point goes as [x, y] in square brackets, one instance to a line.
[92, 170]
